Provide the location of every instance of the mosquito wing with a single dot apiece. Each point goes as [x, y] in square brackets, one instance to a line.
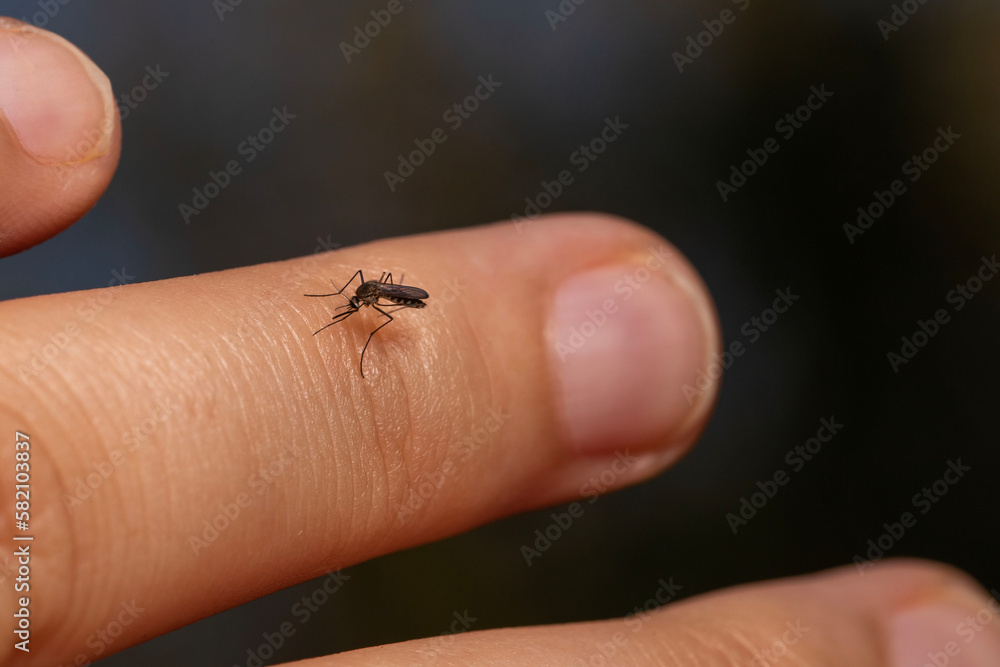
[402, 292]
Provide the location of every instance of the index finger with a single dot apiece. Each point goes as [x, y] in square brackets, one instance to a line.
[194, 446]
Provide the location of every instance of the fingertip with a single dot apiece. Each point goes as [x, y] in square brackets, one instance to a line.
[628, 339]
[59, 134]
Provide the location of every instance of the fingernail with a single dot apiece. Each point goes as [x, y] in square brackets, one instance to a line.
[625, 340]
[947, 633]
[58, 104]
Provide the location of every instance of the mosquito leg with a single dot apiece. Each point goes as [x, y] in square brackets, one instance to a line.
[356, 274]
[388, 279]
[351, 309]
[340, 317]
[341, 291]
[391, 318]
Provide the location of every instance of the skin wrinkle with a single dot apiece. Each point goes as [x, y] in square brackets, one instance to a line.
[379, 459]
[407, 438]
[700, 647]
[476, 412]
[383, 473]
[304, 388]
[340, 489]
[193, 374]
[364, 472]
[402, 444]
[385, 438]
[408, 446]
[416, 461]
[671, 654]
[271, 372]
[482, 364]
[272, 352]
[135, 513]
[336, 430]
[348, 472]
[728, 639]
[401, 471]
[745, 643]
[345, 465]
[237, 380]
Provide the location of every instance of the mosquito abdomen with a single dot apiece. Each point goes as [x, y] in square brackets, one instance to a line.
[412, 303]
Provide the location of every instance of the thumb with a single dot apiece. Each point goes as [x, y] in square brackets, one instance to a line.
[59, 135]
[902, 614]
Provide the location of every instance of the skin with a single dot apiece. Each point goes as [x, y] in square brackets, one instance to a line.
[173, 382]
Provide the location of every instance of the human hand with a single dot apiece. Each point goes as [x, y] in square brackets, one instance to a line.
[499, 394]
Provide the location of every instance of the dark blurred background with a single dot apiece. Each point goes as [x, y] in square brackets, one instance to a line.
[224, 68]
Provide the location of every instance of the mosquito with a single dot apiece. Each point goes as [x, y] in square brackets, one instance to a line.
[369, 293]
